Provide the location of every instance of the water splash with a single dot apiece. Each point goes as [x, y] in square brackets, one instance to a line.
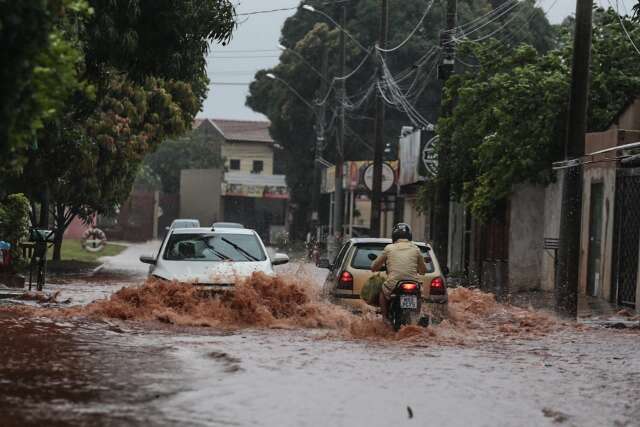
[293, 301]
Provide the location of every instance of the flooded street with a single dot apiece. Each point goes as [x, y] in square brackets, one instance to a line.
[87, 366]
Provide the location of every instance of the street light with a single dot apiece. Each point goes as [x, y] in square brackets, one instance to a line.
[320, 131]
[310, 8]
[300, 97]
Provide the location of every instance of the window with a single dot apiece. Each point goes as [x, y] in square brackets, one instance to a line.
[234, 164]
[361, 261]
[214, 247]
[258, 166]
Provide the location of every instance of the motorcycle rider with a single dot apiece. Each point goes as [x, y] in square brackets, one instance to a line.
[403, 260]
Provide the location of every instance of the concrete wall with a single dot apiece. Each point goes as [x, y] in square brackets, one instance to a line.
[200, 195]
[526, 237]
[247, 152]
[630, 118]
[551, 230]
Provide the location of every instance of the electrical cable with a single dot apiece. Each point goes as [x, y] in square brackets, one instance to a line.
[624, 28]
[411, 34]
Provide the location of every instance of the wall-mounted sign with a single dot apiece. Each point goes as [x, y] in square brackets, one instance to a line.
[93, 240]
[430, 156]
[388, 177]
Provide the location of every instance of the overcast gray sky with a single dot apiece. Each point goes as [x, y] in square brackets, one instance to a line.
[255, 46]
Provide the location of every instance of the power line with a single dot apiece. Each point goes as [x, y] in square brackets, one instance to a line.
[624, 28]
[412, 33]
[259, 12]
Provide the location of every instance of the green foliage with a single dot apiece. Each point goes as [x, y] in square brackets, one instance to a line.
[195, 151]
[505, 120]
[14, 221]
[39, 69]
[163, 38]
[116, 77]
[307, 33]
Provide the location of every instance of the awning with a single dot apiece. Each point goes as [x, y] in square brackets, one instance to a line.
[237, 184]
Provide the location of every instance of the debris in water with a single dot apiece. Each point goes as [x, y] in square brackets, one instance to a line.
[556, 416]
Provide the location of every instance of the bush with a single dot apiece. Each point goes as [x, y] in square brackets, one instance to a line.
[14, 221]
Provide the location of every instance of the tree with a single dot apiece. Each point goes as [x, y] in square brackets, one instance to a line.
[141, 79]
[194, 151]
[305, 33]
[507, 118]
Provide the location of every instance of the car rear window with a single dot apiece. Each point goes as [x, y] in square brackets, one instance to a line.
[214, 247]
[361, 261]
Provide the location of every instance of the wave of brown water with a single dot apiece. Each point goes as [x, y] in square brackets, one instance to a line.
[293, 302]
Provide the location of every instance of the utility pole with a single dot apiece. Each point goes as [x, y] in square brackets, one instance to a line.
[570, 221]
[376, 196]
[338, 207]
[320, 135]
[442, 197]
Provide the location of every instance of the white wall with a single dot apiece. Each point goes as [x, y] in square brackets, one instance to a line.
[526, 236]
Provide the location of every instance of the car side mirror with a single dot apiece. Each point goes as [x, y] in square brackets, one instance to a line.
[146, 259]
[445, 271]
[279, 259]
[324, 263]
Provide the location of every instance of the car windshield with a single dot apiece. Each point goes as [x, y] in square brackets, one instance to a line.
[361, 260]
[214, 247]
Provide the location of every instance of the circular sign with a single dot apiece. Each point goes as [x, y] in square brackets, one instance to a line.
[93, 240]
[430, 156]
[388, 177]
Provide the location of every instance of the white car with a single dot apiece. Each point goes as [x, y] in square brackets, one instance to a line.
[212, 258]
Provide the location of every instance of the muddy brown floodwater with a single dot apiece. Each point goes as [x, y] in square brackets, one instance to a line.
[111, 351]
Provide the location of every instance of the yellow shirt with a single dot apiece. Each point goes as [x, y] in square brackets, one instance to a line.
[404, 262]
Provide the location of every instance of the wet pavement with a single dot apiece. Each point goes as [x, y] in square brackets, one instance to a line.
[83, 370]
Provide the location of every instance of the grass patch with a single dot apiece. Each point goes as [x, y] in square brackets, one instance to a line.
[72, 250]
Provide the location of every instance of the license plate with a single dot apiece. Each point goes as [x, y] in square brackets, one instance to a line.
[408, 301]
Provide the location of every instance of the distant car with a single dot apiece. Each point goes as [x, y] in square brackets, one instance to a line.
[184, 223]
[352, 268]
[227, 225]
[213, 259]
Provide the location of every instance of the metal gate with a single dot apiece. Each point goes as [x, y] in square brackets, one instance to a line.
[626, 237]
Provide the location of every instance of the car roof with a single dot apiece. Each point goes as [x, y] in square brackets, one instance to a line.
[364, 240]
[227, 225]
[209, 230]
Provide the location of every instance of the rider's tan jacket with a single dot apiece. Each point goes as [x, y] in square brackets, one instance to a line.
[404, 262]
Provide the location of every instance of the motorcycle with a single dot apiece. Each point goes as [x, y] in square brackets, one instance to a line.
[406, 305]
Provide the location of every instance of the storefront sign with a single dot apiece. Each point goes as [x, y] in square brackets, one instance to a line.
[430, 156]
[388, 177]
[255, 191]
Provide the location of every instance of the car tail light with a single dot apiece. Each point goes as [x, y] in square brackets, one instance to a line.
[345, 281]
[409, 287]
[437, 286]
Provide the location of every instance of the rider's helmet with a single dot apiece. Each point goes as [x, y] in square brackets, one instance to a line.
[401, 231]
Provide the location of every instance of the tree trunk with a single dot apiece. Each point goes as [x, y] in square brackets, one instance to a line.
[61, 222]
[57, 245]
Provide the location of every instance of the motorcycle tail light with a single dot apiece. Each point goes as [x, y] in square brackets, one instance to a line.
[409, 287]
[437, 286]
[345, 281]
